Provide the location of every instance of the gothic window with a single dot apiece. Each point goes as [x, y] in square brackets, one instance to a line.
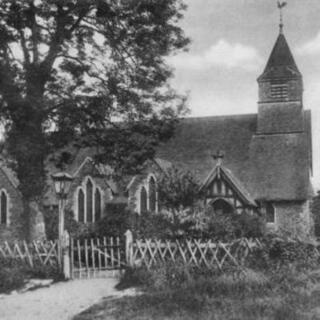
[81, 205]
[143, 200]
[3, 208]
[97, 205]
[270, 213]
[152, 195]
[89, 202]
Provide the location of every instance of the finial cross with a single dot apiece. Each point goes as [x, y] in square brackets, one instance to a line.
[281, 5]
[219, 155]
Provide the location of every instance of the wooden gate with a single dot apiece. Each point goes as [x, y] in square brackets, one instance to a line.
[95, 257]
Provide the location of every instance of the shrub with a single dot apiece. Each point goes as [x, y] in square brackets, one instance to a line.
[12, 275]
[153, 225]
[51, 219]
[218, 226]
[40, 271]
[117, 219]
[278, 252]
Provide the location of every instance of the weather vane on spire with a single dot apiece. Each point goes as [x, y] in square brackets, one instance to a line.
[281, 5]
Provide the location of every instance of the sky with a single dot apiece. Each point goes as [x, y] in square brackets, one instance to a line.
[231, 41]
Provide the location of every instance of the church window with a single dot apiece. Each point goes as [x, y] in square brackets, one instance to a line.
[270, 213]
[143, 200]
[81, 205]
[279, 90]
[152, 194]
[89, 202]
[3, 208]
[97, 205]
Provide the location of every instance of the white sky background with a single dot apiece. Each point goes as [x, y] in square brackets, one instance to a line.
[231, 42]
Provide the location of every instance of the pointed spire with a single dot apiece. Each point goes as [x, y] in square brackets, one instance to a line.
[281, 63]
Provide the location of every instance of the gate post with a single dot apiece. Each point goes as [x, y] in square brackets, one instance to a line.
[66, 254]
[129, 248]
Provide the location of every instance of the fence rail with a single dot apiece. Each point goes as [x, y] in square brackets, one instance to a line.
[43, 252]
[192, 252]
[93, 257]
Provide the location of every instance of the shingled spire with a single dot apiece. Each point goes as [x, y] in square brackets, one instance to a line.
[281, 64]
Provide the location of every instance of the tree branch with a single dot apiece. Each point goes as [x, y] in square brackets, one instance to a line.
[34, 33]
[24, 48]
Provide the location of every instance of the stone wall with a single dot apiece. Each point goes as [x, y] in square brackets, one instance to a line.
[17, 228]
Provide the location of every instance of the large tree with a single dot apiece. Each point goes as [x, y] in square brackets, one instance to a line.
[88, 71]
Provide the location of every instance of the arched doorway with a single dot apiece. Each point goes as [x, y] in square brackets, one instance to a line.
[221, 206]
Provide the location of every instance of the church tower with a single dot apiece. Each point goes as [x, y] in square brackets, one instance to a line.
[280, 92]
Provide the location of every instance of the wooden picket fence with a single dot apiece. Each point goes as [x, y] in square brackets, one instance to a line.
[93, 257]
[34, 253]
[192, 252]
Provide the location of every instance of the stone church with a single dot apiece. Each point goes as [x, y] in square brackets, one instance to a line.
[262, 162]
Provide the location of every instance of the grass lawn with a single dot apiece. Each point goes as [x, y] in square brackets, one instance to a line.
[293, 297]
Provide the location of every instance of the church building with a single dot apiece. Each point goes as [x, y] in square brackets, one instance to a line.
[258, 162]
[261, 162]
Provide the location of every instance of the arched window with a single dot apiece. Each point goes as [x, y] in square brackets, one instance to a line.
[143, 200]
[80, 205]
[270, 213]
[152, 194]
[4, 208]
[97, 205]
[89, 202]
[221, 206]
[89, 199]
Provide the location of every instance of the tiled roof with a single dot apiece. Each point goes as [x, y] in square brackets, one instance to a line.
[269, 166]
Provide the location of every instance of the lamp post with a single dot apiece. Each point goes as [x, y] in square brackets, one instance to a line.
[62, 182]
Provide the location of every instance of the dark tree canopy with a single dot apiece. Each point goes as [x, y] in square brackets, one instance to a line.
[91, 72]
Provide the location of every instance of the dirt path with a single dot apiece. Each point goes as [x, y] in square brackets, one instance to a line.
[61, 301]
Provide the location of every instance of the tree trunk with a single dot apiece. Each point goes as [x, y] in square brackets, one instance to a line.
[27, 147]
[35, 227]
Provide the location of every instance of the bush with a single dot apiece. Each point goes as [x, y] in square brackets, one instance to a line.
[51, 218]
[210, 224]
[278, 252]
[117, 219]
[14, 274]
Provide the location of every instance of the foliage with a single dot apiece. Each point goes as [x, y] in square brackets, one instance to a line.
[281, 287]
[116, 221]
[14, 274]
[51, 218]
[203, 295]
[279, 252]
[152, 225]
[88, 72]
[178, 190]
[11, 275]
[316, 214]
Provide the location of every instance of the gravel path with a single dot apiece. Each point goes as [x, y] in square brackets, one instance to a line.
[60, 301]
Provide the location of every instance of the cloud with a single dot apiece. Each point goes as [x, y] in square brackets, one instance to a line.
[221, 54]
[311, 47]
